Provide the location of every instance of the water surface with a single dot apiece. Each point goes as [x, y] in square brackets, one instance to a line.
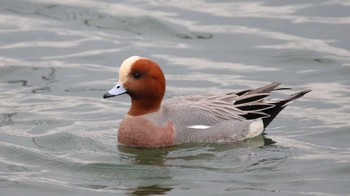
[58, 136]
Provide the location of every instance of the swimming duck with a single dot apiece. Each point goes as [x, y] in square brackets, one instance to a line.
[221, 117]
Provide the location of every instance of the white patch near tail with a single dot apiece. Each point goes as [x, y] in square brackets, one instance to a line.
[255, 128]
[198, 127]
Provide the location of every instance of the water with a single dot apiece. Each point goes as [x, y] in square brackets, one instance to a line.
[57, 58]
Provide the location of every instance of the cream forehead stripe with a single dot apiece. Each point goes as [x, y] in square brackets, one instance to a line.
[125, 68]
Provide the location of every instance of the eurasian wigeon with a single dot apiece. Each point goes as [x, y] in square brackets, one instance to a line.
[221, 117]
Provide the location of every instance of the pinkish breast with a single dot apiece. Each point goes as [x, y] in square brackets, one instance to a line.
[138, 131]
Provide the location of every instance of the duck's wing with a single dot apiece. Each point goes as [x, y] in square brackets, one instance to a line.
[244, 105]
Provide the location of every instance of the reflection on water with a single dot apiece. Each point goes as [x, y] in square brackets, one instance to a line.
[151, 190]
[57, 59]
[159, 157]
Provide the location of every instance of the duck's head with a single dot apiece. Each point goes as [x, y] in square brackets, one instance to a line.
[143, 80]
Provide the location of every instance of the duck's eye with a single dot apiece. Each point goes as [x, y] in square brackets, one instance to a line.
[137, 75]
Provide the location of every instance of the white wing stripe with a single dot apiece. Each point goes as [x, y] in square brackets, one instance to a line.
[198, 127]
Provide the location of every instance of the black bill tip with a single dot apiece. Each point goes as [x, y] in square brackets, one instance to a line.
[107, 95]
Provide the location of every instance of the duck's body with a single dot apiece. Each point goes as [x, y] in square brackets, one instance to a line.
[225, 117]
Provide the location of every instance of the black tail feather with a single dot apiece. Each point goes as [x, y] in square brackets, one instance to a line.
[251, 98]
[265, 89]
[255, 115]
[255, 104]
[280, 105]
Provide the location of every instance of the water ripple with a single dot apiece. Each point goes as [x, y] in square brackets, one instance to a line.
[57, 58]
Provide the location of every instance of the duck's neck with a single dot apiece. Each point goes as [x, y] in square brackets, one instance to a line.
[144, 106]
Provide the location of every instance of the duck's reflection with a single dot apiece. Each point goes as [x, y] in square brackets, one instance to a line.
[155, 157]
[165, 158]
[151, 190]
[255, 142]
[158, 156]
[147, 156]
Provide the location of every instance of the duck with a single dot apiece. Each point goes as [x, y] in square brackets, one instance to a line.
[152, 122]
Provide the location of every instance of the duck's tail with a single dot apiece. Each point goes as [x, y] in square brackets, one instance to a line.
[255, 105]
[279, 105]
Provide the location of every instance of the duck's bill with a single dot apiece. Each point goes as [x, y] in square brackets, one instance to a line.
[115, 91]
